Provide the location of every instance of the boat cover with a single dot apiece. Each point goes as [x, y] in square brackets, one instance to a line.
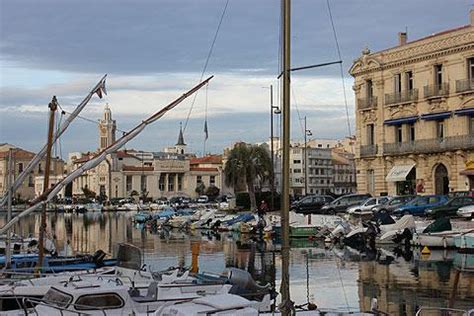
[439, 225]
[382, 218]
[246, 217]
[407, 221]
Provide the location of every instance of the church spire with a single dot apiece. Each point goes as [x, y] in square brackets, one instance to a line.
[180, 137]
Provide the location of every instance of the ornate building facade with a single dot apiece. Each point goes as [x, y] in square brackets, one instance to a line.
[172, 172]
[415, 115]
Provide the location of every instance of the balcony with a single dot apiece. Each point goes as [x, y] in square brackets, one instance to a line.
[367, 103]
[466, 85]
[368, 150]
[401, 97]
[433, 145]
[436, 90]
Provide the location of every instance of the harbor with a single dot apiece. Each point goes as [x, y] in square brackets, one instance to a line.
[333, 277]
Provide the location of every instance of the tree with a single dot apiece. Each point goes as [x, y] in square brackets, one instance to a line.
[247, 163]
[200, 188]
[212, 192]
[88, 194]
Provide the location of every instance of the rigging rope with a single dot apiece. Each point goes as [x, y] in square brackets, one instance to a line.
[206, 63]
[342, 284]
[340, 68]
[92, 121]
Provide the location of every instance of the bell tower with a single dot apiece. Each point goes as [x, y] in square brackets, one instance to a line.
[107, 128]
[180, 145]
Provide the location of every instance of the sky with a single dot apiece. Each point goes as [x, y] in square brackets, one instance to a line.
[153, 51]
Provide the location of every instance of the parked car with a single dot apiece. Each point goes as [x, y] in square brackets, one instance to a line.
[203, 199]
[420, 204]
[450, 207]
[393, 203]
[311, 203]
[342, 203]
[466, 211]
[367, 205]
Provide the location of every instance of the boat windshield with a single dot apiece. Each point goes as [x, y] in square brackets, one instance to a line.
[56, 297]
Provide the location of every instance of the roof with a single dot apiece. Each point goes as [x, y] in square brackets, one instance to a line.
[124, 154]
[137, 168]
[18, 153]
[212, 159]
[180, 137]
[425, 38]
[84, 158]
[204, 169]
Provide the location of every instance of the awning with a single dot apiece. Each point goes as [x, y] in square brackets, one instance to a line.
[466, 111]
[399, 173]
[436, 116]
[467, 172]
[402, 120]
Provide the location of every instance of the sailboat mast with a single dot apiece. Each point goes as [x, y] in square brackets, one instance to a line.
[11, 171]
[286, 304]
[53, 105]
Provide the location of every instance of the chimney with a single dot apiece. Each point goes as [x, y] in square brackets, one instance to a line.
[402, 38]
[471, 14]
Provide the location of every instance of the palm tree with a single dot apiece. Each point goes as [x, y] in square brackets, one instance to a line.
[247, 164]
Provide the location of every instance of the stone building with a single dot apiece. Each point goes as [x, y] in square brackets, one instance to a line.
[415, 114]
[344, 172]
[21, 158]
[172, 172]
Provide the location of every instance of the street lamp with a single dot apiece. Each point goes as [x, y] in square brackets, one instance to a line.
[273, 110]
[307, 132]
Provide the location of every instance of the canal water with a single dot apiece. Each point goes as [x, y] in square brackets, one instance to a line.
[336, 278]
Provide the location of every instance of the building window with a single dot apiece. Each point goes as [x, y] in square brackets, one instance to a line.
[161, 182]
[471, 125]
[40, 169]
[212, 180]
[198, 180]
[170, 182]
[20, 167]
[370, 134]
[411, 132]
[103, 142]
[180, 182]
[470, 68]
[30, 181]
[409, 79]
[296, 161]
[370, 181]
[369, 89]
[440, 129]
[129, 183]
[143, 183]
[297, 171]
[397, 79]
[398, 134]
[438, 74]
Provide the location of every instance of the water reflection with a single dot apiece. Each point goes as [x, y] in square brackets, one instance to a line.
[337, 278]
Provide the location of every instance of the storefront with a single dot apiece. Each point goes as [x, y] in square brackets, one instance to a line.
[404, 177]
[469, 173]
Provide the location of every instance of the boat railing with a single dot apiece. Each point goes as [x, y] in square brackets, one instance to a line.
[445, 309]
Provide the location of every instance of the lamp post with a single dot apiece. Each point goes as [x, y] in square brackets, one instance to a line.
[307, 132]
[273, 110]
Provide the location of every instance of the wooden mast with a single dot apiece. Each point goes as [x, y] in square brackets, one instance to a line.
[286, 306]
[11, 172]
[53, 105]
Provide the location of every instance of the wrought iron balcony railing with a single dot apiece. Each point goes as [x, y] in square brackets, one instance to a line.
[465, 85]
[430, 145]
[367, 103]
[436, 90]
[401, 97]
[368, 150]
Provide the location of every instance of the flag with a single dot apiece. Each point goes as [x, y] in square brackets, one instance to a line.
[205, 129]
[101, 89]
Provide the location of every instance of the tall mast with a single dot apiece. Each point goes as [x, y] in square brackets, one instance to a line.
[11, 171]
[53, 105]
[286, 304]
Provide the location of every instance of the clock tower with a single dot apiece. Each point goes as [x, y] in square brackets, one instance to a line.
[107, 128]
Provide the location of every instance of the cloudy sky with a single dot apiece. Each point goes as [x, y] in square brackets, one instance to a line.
[153, 51]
